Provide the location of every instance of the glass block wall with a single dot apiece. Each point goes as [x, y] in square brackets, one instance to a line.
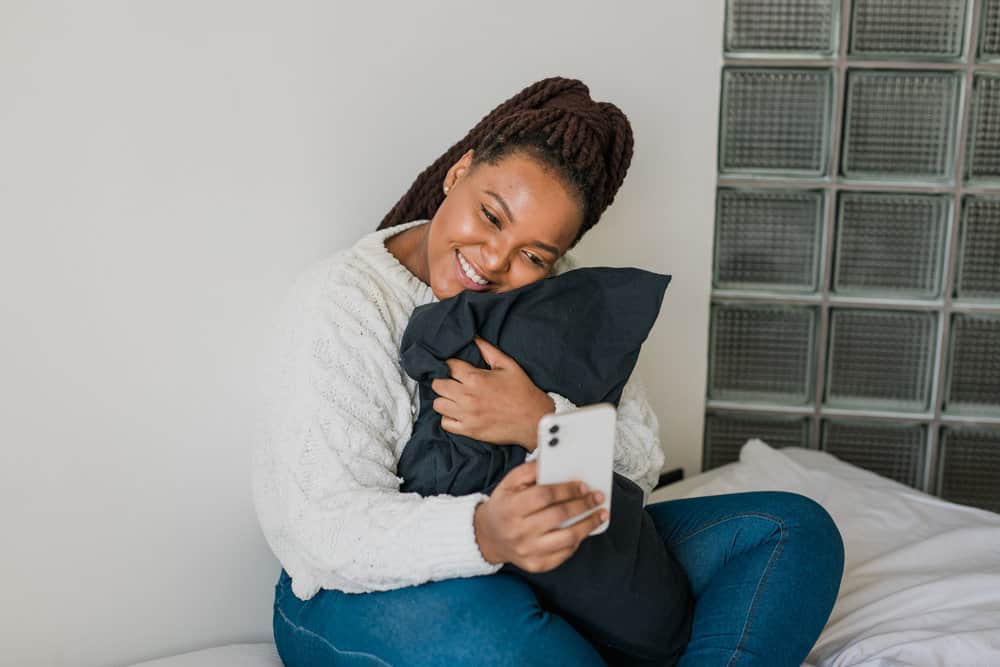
[856, 272]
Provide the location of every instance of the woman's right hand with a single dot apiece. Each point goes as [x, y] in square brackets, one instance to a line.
[519, 522]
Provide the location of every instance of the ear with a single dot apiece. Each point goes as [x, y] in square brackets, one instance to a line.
[459, 169]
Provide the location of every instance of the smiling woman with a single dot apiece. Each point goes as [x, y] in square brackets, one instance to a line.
[500, 227]
[505, 209]
[375, 576]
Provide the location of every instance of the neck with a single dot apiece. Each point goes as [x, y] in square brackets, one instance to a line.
[410, 249]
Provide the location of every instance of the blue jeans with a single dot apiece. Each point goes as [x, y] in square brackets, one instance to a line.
[764, 567]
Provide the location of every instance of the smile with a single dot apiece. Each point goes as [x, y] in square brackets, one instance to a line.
[470, 272]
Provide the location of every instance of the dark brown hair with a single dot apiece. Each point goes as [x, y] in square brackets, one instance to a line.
[588, 144]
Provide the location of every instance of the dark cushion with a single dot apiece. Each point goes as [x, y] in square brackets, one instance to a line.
[577, 334]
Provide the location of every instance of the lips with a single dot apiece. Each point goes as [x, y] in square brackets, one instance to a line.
[467, 282]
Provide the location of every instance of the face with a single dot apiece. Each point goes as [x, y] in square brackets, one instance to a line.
[500, 226]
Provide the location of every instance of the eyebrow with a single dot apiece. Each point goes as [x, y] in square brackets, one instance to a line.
[503, 205]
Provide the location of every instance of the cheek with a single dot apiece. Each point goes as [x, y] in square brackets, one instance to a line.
[454, 226]
[464, 228]
[441, 266]
[439, 257]
[522, 274]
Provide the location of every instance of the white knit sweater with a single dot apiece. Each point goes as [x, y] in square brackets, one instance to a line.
[338, 411]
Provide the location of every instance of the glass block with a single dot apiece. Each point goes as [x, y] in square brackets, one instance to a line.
[761, 352]
[969, 467]
[726, 433]
[768, 239]
[900, 124]
[978, 263]
[775, 121]
[892, 450]
[880, 359]
[890, 244]
[973, 384]
[989, 31]
[983, 159]
[781, 26]
[918, 28]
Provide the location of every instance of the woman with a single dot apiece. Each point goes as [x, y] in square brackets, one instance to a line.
[372, 576]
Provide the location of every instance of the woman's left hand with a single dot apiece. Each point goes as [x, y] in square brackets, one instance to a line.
[499, 405]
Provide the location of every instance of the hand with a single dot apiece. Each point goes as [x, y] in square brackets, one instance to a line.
[499, 405]
[519, 522]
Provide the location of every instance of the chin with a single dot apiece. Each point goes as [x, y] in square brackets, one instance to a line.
[444, 290]
[442, 296]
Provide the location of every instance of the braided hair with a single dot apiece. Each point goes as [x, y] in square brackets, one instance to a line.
[587, 143]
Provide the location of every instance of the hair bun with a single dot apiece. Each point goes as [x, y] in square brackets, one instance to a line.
[574, 99]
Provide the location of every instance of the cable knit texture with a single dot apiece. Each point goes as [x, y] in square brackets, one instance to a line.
[338, 410]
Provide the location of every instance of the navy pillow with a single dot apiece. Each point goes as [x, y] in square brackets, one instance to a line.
[577, 334]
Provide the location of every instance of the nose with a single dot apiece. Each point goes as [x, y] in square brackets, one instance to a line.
[495, 256]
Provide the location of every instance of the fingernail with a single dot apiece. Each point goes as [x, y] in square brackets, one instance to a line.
[583, 487]
[598, 497]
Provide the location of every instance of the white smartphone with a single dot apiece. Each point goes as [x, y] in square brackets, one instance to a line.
[579, 445]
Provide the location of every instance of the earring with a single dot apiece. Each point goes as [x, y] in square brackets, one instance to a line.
[446, 189]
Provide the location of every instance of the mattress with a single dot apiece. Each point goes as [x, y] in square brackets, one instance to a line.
[263, 654]
[921, 582]
[921, 579]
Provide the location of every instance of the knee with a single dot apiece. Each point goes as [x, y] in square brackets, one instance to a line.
[810, 523]
[814, 552]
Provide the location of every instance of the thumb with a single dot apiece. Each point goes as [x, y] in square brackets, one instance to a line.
[491, 354]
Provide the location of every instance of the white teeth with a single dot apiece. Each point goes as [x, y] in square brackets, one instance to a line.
[473, 276]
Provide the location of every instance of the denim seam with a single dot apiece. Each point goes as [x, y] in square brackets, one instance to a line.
[740, 515]
[778, 548]
[303, 629]
[767, 568]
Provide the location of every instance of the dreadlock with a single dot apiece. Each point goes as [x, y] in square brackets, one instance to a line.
[587, 143]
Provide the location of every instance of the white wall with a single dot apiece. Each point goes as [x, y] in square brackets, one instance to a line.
[165, 170]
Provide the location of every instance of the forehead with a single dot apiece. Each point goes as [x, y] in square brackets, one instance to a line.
[540, 203]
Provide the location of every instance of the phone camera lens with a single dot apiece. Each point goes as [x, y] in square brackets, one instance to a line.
[554, 428]
[553, 442]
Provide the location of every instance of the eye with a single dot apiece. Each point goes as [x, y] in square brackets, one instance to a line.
[492, 218]
[535, 259]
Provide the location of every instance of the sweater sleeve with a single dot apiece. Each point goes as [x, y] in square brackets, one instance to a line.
[326, 491]
[637, 452]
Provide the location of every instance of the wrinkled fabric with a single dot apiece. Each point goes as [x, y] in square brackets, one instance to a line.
[577, 334]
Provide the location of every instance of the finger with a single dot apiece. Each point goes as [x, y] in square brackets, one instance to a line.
[492, 355]
[488, 352]
[446, 408]
[550, 517]
[459, 369]
[523, 475]
[452, 425]
[556, 558]
[559, 557]
[561, 538]
[544, 495]
[451, 389]
[543, 562]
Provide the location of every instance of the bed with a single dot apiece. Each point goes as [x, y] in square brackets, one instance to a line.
[921, 577]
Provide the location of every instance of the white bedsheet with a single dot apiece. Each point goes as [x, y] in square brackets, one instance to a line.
[922, 576]
[921, 582]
